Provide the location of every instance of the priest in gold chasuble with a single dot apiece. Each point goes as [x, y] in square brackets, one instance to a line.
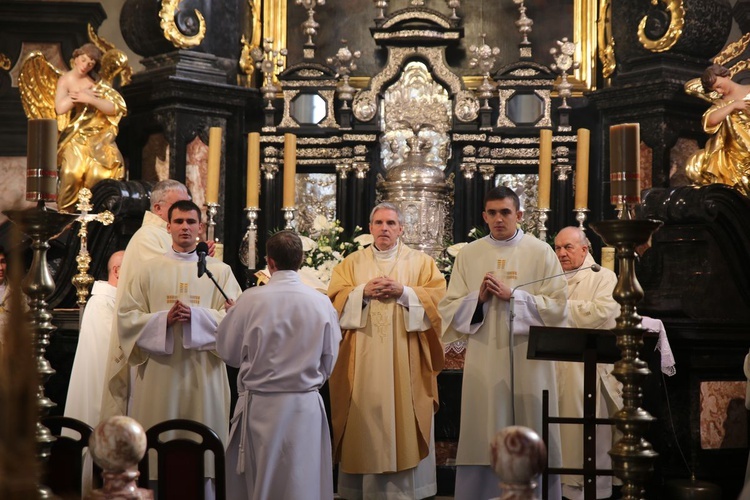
[384, 385]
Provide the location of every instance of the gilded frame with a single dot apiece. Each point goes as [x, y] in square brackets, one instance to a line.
[585, 14]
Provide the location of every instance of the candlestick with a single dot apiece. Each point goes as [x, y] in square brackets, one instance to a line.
[582, 169]
[253, 168]
[212, 210]
[288, 217]
[625, 163]
[214, 165]
[249, 257]
[41, 225]
[632, 456]
[41, 160]
[290, 170]
[581, 217]
[545, 168]
[542, 214]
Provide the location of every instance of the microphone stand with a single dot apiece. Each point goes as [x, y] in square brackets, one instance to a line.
[210, 275]
[511, 316]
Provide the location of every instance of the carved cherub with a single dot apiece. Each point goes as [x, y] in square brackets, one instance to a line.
[88, 111]
[726, 156]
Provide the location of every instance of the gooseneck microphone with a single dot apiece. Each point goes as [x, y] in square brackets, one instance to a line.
[511, 314]
[202, 249]
[594, 267]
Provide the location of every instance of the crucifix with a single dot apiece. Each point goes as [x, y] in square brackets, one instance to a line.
[83, 280]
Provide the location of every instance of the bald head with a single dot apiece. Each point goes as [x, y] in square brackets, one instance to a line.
[113, 267]
[571, 247]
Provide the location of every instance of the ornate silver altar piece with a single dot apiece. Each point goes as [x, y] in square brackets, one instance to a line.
[483, 57]
[268, 61]
[421, 192]
[344, 62]
[563, 56]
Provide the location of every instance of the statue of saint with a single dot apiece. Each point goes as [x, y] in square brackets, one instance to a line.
[726, 157]
[88, 110]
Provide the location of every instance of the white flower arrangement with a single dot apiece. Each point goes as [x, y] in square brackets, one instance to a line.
[326, 246]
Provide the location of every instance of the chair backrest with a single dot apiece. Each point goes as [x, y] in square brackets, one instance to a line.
[64, 469]
[181, 459]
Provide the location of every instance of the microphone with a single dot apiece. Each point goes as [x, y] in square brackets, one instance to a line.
[594, 267]
[201, 250]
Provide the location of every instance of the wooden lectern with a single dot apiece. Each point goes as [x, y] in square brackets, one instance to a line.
[587, 346]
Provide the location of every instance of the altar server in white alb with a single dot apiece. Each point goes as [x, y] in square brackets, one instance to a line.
[590, 305]
[477, 308]
[284, 337]
[167, 329]
[84, 398]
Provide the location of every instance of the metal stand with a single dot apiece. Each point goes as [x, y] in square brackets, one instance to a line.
[41, 225]
[581, 217]
[212, 210]
[288, 216]
[632, 456]
[250, 258]
[541, 226]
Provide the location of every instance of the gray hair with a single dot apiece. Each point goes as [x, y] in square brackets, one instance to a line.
[384, 205]
[583, 239]
[161, 188]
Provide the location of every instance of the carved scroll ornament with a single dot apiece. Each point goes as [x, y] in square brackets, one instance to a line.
[171, 31]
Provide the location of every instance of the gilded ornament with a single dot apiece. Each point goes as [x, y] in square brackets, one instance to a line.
[172, 33]
[4, 62]
[88, 112]
[675, 12]
[605, 40]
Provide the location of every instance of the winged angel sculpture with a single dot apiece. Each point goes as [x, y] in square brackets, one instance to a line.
[726, 157]
[88, 111]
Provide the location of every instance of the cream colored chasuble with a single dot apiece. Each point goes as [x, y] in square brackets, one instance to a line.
[382, 395]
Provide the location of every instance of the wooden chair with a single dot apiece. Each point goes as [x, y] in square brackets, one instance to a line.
[180, 460]
[64, 468]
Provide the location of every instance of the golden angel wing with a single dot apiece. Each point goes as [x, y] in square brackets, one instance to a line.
[695, 88]
[37, 84]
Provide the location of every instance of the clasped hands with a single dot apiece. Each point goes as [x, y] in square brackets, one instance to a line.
[181, 312]
[84, 96]
[178, 313]
[492, 286]
[383, 288]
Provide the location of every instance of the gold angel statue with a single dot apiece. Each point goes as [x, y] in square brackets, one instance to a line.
[88, 111]
[726, 156]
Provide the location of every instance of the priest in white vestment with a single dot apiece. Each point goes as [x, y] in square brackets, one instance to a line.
[151, 240]
[476, 308]
[167, 325]
[284, 337]
[590, 305]
[84, 400]
[384, 385]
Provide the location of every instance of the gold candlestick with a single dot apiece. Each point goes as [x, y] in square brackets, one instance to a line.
[632, 456]
[41, 225]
